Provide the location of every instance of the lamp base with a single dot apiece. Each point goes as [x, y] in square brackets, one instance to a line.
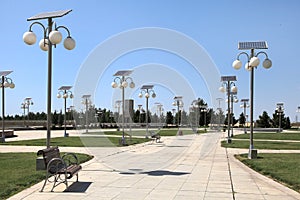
[2, 139]
[229, 140]
[252, 154]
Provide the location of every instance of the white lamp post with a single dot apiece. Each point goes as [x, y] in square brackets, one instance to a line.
[147, 90]
[279, 110]
[5, 83]
[64, 92]
[50, 38]
[27, 103]
[179, 103]
[86, 100]
[252, 63]
[122, 77]
[228, 86]
[245, 105]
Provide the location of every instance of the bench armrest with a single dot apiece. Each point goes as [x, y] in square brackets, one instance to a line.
[70, 159]
[56, 165]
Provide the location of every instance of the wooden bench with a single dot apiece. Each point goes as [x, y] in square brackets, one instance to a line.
[155, 136]
[59, 169]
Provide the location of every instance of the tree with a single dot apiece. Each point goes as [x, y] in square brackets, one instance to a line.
[232, 120]
[169, 118]
[264, 120]
[242, 119]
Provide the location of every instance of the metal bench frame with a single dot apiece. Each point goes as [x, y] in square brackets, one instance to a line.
[60, 168]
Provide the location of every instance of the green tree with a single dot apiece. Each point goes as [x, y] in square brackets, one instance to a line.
[242, 119]
[169, 118]
[264, 120]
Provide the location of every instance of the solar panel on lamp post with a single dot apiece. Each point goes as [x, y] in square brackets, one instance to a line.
[252, 62]
[122, 76]
[50, 38]
[5, 82]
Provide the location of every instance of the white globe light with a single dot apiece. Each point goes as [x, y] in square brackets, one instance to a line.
[55, 37]
[267, 63]
[29, 37]
[254, 61]
[247, 67]
[222, 89]
[132, 85]
[58, 95]
[44, 44]
[69, 43]
[140, 95]
[236, 100]
[153, 95]
[147, 95]
[237, 64]
[12, 86]
[6, 84]
[71, 96]
[114, 85]
[124, 84]
[234, 89]
[242, 106]
[174, 103]
[65, 96]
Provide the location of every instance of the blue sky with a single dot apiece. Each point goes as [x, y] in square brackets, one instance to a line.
[217, 26]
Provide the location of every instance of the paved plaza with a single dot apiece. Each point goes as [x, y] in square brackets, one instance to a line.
[183, 167]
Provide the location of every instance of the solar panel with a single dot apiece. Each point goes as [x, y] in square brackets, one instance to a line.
[246, 100]
[27, 98]
[178, 98]
[65, 88]
[86, 96]
[252, 45]
[47, 15]
[5, 73]
[228, 78]
[145, 87]
[123, 73]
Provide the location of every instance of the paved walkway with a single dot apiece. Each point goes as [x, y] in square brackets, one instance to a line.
[184, 167]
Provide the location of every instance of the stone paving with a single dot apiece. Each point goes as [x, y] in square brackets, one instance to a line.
[183, 167]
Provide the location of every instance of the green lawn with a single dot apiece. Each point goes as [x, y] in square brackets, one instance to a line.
[87, 141]
[271, 136]
[18, 172]
[244, 144]
[283, 168]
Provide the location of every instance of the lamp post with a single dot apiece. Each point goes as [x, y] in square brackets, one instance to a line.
[228, 86]
[173, 112]
[252, 62]
[279, 110]
[64, 92]
[122, 77]
[27, 103]
[86, 100]
[159, 110]
[179, 103]
[245, 105]
[233, 99]
[220, 110]
[50, 38]
[23, 107]
[148, 90]
[140, 106]
[194, 109]
[297, 111]
[5, 82]
[203, 109]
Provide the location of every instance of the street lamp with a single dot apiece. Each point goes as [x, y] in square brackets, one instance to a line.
[279, 110]
[64, 92]
[203, 109]
[228, 86]
[297, 111]
[140, 106]
[159, 110]
[5, 83]
[50, 38]
[122, 77]
[179, 103]
[148, 90]
[173, 112]
[87, 102]
[252, 63]
[26, 104]
[220, 110]
[245, 105]
[233, 99]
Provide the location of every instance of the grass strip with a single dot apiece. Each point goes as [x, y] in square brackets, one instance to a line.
[274, 145]
[283, 168]
[18, 172]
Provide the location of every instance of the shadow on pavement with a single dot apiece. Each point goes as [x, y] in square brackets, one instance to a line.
[78, 187]
[157, 173]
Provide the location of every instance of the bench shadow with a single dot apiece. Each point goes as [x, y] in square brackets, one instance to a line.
[79, 187]
[157, 173]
